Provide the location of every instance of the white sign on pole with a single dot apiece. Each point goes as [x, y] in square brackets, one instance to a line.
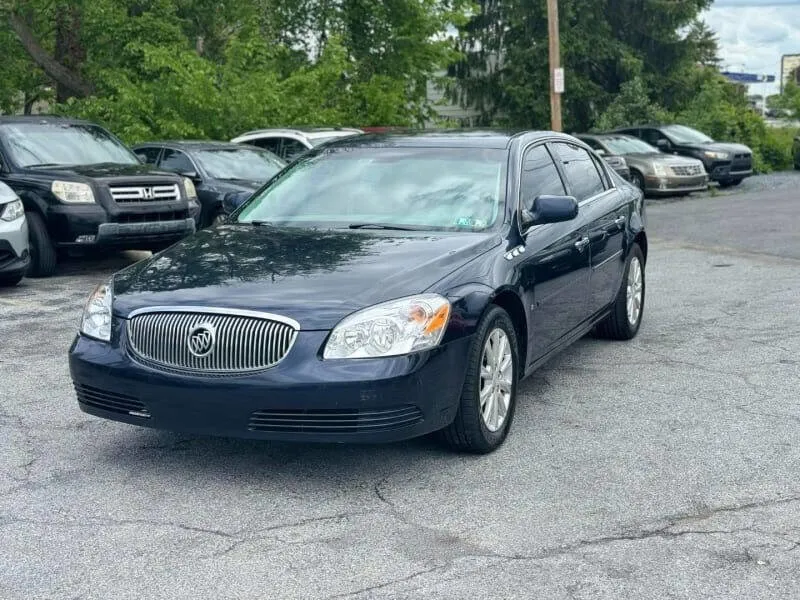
[558, 81]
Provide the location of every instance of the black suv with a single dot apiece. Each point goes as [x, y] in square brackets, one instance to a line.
[725, 162]
[83, 188]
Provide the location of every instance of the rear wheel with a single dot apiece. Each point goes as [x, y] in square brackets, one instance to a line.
[488, 398]
[43, 255]
[628, 308]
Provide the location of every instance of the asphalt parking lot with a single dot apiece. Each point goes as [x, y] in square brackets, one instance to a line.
[666, 467]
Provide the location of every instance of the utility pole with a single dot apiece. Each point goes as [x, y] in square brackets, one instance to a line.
[556, 72]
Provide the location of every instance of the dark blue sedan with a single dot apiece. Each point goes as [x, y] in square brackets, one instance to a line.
[380, 288]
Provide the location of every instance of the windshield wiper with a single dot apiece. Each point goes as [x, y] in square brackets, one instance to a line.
[45, 165]
[382, 226]
[258, 223]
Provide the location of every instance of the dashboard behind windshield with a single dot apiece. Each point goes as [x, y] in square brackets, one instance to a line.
[34, 144]
[425, 188]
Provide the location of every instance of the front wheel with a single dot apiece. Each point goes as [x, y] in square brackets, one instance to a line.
[726, 183]
[489, 396]
[637, 179]
[43, 255]
[626, 313]
[11, 281]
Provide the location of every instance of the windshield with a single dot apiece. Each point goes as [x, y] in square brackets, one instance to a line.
[54, 144]
[681, 134]
[239, 163]
[425, 188]
[629, 145]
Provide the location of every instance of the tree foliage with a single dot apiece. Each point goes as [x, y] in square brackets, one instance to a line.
[204, 68]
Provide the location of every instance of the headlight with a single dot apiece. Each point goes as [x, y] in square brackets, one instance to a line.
[96, 321]
[659, 169]
[12, 211]
[188, 186]
[716, 155]
[73, 192]
[391, 329]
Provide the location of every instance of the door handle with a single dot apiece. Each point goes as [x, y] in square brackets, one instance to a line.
[620, 222]
[581, 244]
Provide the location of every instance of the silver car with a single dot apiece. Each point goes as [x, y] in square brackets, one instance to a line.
[652, 171]
[14, 252]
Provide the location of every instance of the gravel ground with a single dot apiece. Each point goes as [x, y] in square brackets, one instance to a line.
[666, 467]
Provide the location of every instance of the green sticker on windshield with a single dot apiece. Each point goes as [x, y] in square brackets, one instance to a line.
[469, 222]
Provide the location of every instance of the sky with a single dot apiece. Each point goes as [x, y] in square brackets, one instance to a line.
[753, 34]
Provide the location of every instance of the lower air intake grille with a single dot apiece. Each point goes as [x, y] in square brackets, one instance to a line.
[110, 401]
[334, 420]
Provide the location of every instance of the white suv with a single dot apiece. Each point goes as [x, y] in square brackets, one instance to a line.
[291, 143]
[14, 253]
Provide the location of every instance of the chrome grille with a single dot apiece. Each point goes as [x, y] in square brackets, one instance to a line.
[687, 170]
[145, 193]
[243, 342]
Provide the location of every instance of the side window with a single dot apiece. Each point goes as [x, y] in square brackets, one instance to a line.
[149, 155]
[273, 144]
[540, 176]
[291, 149]
[651, 136]
[176, 161]
[601, 168]
[582, 175]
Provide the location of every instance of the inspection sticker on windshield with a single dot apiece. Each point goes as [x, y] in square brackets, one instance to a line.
[469, 222]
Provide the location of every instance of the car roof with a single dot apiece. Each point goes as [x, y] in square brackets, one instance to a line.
[603, 136]
[189, 145]
[456, 138]
[309, 132]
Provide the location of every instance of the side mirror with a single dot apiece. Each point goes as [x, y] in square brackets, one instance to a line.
[663, 145]
[550, 209]
[142, 158]
[600, 152]
[193, 175]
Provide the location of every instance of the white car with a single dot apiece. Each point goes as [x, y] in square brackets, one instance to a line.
[291, 143]
[14, 252]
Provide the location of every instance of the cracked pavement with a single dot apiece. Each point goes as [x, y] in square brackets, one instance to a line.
[666, 467]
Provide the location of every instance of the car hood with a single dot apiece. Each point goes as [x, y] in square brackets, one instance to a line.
[103, 171]
[315, 277]
[721, 147]
[664, 159]
[236, 185]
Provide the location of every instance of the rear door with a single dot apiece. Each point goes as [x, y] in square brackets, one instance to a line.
[555, 268]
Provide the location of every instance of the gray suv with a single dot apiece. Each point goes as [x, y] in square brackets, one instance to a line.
[14, 253]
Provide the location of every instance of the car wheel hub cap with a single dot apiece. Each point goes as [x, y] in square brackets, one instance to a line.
[497, 376]
[635, 288]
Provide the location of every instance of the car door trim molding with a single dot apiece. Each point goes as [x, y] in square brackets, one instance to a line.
[616, 254]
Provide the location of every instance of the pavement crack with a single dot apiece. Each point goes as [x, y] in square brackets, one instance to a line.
[386, 584]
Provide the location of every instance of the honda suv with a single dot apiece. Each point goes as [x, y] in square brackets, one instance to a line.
[81, 187]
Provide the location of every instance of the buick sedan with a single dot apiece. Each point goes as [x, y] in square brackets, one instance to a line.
[380, 288]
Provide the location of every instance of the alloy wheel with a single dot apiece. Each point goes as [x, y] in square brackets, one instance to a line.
[497, 376]
[634, 293]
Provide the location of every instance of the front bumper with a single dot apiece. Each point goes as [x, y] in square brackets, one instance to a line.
[86, 226]
[672, 184]
[14, 253]
[303, 398]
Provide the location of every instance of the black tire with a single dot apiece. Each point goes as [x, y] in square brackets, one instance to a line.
[43, 255]
[617, 326]
[468, 432]
[11, 281]
[726, 183]
[637, 179]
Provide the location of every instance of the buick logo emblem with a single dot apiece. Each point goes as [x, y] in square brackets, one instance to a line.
[147, 193]
[201, 340]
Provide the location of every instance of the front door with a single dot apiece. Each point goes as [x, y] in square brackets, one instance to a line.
[556, 264]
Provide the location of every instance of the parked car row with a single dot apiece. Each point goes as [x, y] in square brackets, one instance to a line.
[80, 187]
[671, 159]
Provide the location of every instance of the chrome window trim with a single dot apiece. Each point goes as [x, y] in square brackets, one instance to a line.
[214, 310]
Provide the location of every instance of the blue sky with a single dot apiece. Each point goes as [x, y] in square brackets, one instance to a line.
[753, 34]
